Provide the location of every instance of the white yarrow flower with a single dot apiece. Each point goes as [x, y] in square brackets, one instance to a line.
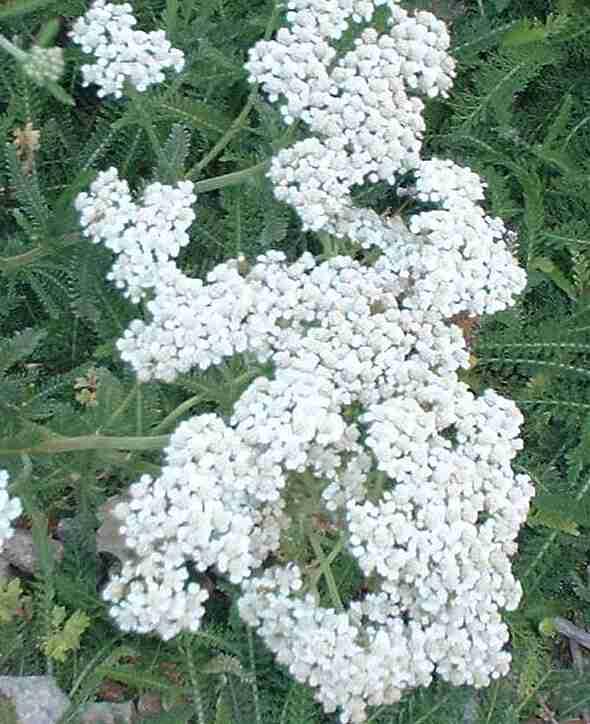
[122, 53]
[44, 64]
[10, 509]
[364, 405]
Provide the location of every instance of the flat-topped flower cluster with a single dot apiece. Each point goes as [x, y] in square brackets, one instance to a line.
[145, 236]
[365, 410]
[44, 64]
[122, 53]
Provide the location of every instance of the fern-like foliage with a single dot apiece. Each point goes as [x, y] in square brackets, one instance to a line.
[519, 117]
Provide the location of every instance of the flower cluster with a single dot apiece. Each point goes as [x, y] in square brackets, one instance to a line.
[10, 509]
[122, 53]
[439, 542]
[362, 108]
[458, 257]
[365, 416]
[367, 126]
[146, 235]
[44, 64]
[202, 509]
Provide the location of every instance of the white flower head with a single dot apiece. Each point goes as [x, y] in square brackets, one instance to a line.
[44, 64]
[122, 53]
[365, 113]
[146, 235]
[10, 509]
[364, 403]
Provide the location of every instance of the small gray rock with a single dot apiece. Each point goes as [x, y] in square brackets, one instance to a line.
[37, 699]
[105, 712]
[19, 551]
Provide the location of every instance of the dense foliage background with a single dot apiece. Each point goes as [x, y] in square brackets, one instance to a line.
[77, 428]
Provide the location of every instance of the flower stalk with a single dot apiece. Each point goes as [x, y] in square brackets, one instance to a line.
[56, 445]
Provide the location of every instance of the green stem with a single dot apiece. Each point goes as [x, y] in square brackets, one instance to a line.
[240, 120]
[144, 119]
[238, 177]
[139, 411]
[125, 459]
[178, 412]
[56, 445]
[231, 179]
[327, 245]
[312, 488]
[380, 478]
[122, 407]
[234, 128]
[197, 698]
[326, 570]
[9, 47]
[90, 668]
[253, 672]
[11, 263]
[332, 555]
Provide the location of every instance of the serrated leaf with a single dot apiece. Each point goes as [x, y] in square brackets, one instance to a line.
[274, 231]
[10, 599]
[576, 511]
[508, 74]
[91, 681]
[19, 347]
[569, 691]
[552, 271]
[525, 32]
[553, 521]
[27, 191]
[174, 154]
[559, 123]
[197, 114]
[140, 679]
[225, 664]
[540, 608]
[59, 93]
[67, 634]
[572, 7]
